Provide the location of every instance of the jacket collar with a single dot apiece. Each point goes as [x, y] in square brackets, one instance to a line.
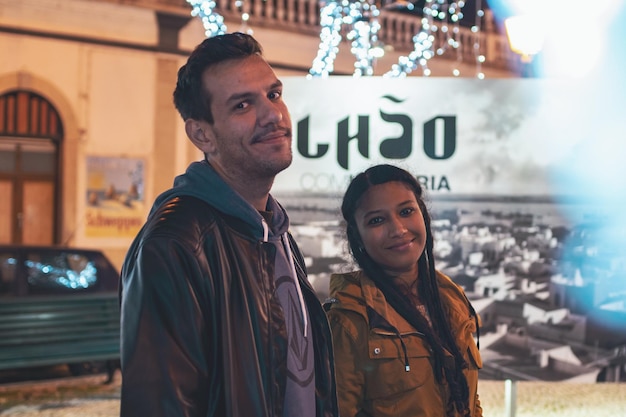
[355, 291]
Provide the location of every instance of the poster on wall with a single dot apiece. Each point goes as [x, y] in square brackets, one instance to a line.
[114, 197]
[523, 180]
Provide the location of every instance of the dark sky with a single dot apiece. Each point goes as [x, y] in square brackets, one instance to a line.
[469, 10]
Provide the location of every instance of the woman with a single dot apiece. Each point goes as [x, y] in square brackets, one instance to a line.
[402, 330]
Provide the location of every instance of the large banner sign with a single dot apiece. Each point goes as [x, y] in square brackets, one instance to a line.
[525, 181]
[460, 136]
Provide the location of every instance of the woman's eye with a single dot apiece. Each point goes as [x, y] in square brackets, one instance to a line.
[407, 211]
[375, 221]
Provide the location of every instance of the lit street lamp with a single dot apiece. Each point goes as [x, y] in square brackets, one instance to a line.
[526, 35]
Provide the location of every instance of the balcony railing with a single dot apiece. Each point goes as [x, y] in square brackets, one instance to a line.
[397, 29]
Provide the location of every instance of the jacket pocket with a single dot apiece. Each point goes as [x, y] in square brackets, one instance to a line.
[387, 375]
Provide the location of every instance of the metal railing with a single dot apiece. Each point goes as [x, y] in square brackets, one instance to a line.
[397, 29]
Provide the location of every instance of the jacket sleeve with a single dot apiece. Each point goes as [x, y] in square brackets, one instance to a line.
[349, 344]
[164, 334]
[474, 363]
[478, 410]
[472, 378]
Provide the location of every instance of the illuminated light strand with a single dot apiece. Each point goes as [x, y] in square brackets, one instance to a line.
[480, 58]
[331, 16]
[444, 17]
[361, 17]
[213, 22]
[423, 43]
[245, 17]
[364, 36]
[456, 15]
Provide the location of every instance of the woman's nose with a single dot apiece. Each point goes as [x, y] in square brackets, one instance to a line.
[396, 227]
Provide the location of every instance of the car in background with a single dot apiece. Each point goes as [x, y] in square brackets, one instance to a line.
[58, 306]
[48, 270]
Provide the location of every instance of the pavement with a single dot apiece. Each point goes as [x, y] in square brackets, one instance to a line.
[86, 396]
[90, 397]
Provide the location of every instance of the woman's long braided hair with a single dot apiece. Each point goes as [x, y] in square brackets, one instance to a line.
[439, 336]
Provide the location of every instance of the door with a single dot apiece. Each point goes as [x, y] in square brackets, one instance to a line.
[30, 136]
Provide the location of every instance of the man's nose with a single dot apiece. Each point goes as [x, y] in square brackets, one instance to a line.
[271, 112]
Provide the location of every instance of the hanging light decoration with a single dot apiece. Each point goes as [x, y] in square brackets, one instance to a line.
[361, 19]
[439, 33]
[480, 58]
[444, 17]
[364, 36]
[331, 16]
[423, 43]
[213, 22]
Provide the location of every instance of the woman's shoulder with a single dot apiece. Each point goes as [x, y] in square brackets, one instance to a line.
[454, 298]
[345, 291]
[448, 286]
[339, 281]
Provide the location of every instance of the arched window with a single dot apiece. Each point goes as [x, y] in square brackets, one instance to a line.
[31, 134]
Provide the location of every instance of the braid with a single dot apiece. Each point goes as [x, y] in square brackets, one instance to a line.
[459, 390]
[439, 336]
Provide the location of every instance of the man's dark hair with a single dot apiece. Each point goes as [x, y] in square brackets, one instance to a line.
[190, 99]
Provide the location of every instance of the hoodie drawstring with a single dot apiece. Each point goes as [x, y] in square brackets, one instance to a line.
[266, 230]
[407, 367]
[285, 241]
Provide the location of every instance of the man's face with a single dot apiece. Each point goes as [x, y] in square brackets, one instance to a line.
[251, 133]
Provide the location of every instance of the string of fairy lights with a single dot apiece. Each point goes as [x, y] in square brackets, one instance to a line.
[443, 17]
[438, 34]
[212, 21]
[361, 19]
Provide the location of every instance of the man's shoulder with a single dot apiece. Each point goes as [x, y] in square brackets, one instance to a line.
[180, 216]
[183, 207]
[190, 217]
[185, 220]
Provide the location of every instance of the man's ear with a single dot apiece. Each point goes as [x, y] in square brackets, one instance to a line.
[200, 134]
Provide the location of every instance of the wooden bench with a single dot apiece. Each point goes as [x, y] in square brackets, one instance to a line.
[53, 330]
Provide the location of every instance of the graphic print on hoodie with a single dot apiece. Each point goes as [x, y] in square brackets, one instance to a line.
[300, 388]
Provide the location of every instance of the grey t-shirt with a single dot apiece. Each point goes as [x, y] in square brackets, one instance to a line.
[300, 390]
[300, 386]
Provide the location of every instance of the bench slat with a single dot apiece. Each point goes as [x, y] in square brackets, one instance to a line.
[37, 331]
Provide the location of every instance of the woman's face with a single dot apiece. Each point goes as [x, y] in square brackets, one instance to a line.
[392, 228]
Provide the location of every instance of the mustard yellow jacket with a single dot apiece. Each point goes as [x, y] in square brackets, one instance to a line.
[370, 360]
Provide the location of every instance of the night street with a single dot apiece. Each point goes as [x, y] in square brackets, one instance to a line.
[90, 397]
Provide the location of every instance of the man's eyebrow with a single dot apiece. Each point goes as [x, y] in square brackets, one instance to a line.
[239, 96]
[246, 94]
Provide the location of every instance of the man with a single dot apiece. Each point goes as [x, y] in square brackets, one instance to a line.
[218, 318]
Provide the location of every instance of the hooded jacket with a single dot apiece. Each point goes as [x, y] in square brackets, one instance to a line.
[383, 365]
[203, 332]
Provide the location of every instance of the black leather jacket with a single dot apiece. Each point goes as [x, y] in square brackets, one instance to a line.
[203, 333]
